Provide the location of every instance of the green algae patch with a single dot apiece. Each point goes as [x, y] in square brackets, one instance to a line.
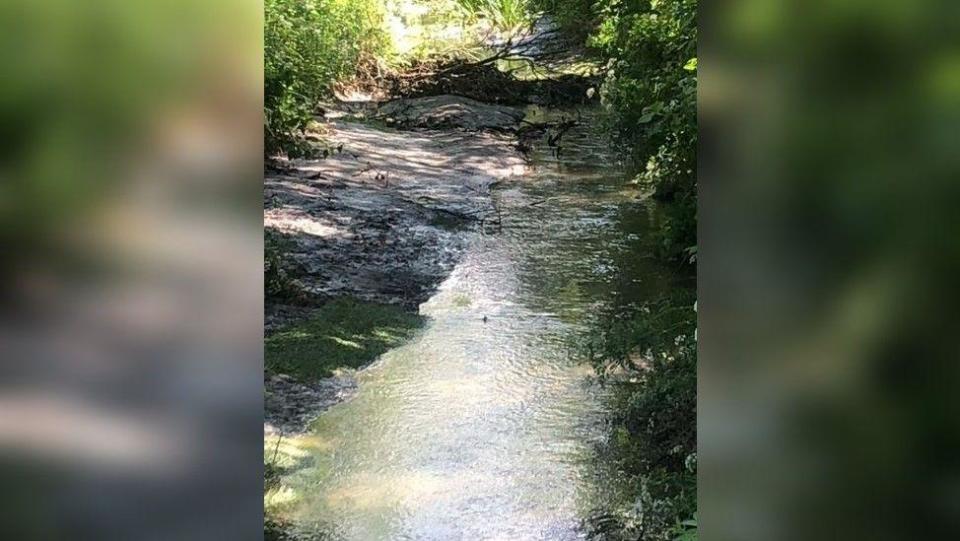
[342, 334]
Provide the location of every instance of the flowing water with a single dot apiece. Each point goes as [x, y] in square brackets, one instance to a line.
[483, 426]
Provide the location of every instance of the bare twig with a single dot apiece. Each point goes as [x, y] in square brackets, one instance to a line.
[276, 449]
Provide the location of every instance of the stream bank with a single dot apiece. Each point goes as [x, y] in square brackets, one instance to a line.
[380, 219]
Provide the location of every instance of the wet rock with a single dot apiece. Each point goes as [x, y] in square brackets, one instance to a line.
[290, 406]
[449, 111]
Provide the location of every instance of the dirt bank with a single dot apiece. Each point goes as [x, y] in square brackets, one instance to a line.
[378, 218]
[382, 217]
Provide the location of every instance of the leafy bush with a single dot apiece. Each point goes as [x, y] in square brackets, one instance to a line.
[308, 46]
[654, 439]
[651, 92]
[686, 530]
[277, 282]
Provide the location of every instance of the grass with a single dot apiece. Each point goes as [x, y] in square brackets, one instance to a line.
[344, 333]
[505, 14]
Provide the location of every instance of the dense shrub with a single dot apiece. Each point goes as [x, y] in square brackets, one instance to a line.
[308, 46]
[657, 433]
[278, 284]
[654, 439]
[651, 91]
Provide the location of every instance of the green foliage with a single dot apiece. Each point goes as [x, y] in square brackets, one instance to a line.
[654, 418]
[686, 530]
[277, 282]
[308, 46]
[342, 333]
[651, 92]
[677, 229]
[505, 14]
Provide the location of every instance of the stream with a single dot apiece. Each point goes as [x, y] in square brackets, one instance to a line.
[484, 425]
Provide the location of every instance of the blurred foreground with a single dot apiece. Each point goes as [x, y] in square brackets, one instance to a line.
[131, 330]
[828, 404]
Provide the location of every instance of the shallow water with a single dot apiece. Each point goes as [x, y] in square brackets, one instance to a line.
[483, 426]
